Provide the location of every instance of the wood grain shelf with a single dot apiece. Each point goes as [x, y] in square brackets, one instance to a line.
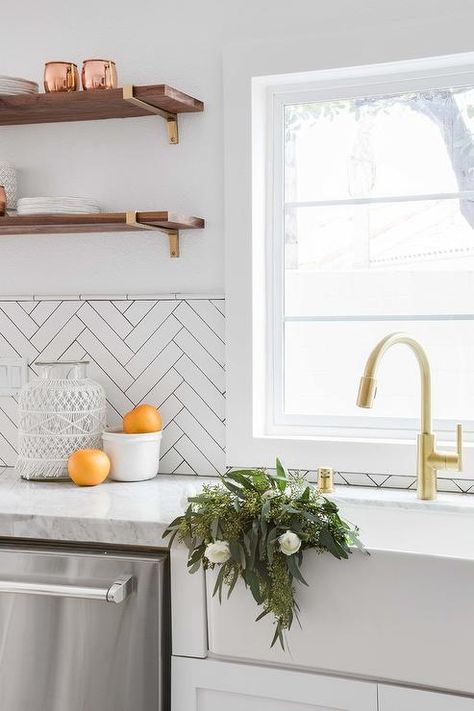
[167, 222]
[126, 102]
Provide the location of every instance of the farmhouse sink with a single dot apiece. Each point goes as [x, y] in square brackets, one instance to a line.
[406, 613]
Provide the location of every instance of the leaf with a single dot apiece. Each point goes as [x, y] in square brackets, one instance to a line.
[306, 494]
[214, 528]
[311, 517]
[242, 477]
[266, 507]
[219, 583]
[234, 489]
[281, 474]
[196, 555]
[174, 524]
[262, 615]
[234, 551]
[263, 525]
[173, 536]
[194, 568]
[271, 539]
[327, 540]
[330, 506]
[291, 509]
[243, 559]
[294, 570]
[278, 636]
[252, 581]
[253, 542]
[275, 636]
[232, 583]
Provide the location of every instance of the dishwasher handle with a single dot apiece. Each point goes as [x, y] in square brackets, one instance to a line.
[116, 592]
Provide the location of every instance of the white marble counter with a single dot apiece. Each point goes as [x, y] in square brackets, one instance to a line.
[115, 512]
[138, 513]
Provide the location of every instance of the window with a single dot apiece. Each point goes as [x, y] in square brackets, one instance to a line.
[349, 215]
[372, 231]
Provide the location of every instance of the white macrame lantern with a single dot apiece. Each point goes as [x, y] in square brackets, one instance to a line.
[59, 412]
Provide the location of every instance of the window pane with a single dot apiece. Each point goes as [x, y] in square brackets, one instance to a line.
[401, 144]
[402, 258]
[416, 235]
[383, 242]
[324, 362]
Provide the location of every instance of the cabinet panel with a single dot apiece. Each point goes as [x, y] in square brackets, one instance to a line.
[213, 685]
[392, 698]
[208, 700]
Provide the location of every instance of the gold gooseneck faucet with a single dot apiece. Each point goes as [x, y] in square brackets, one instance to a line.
[429, 460]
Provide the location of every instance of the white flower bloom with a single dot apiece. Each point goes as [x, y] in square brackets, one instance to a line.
[217, 552]
[289, 543]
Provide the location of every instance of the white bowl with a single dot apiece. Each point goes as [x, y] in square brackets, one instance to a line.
[133, 457]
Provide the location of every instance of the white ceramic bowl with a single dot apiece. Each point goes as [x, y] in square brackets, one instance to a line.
[133, 457]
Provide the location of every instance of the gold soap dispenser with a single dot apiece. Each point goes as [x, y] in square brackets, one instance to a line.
[325, 480]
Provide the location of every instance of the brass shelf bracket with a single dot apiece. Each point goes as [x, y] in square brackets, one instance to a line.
[170, 118]
[173, 235]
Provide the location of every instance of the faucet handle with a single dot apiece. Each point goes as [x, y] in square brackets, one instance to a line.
[459, 447]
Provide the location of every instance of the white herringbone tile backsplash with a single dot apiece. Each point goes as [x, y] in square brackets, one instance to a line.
[167, 352]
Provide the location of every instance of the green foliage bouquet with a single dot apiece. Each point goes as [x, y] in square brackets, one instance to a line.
[255, 525]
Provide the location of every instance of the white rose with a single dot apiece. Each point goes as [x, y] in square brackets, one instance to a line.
[289, 543]
[217, 552]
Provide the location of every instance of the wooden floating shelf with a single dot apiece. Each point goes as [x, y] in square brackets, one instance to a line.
[126, 102]
[168, 222]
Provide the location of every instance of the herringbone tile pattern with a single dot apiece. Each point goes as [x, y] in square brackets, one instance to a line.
[169, 353]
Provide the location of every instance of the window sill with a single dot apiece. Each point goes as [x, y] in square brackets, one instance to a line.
[370, 456]
[401, 499]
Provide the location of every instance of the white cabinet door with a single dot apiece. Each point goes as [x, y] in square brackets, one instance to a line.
[392, 698]
[213, 685]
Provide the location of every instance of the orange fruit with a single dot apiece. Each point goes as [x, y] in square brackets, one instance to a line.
[142, 419]
[88, 467]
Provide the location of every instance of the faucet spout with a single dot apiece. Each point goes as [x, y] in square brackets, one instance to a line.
[429, 460]
[368, 382]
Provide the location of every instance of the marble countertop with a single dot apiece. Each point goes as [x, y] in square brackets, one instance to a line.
[123, 513]
[137, 513]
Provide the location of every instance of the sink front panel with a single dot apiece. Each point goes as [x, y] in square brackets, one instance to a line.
[398, 616]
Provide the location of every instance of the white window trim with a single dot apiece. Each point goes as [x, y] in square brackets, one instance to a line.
[245, 129]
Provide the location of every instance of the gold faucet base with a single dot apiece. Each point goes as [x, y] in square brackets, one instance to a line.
[426, 488]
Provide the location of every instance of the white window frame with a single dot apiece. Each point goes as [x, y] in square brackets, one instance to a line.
[252, 79]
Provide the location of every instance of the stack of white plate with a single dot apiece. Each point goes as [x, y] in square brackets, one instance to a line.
[57, 206]
[12, 85]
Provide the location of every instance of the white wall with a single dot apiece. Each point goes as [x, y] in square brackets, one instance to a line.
[128, 164]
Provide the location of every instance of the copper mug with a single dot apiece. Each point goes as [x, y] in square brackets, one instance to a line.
[60, 76]
[99, 74]
[3, 201]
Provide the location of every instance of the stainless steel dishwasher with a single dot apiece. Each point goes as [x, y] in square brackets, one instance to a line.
[83, 630]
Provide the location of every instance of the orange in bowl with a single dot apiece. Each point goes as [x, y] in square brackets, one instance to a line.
[88, 467]
[142, 419]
